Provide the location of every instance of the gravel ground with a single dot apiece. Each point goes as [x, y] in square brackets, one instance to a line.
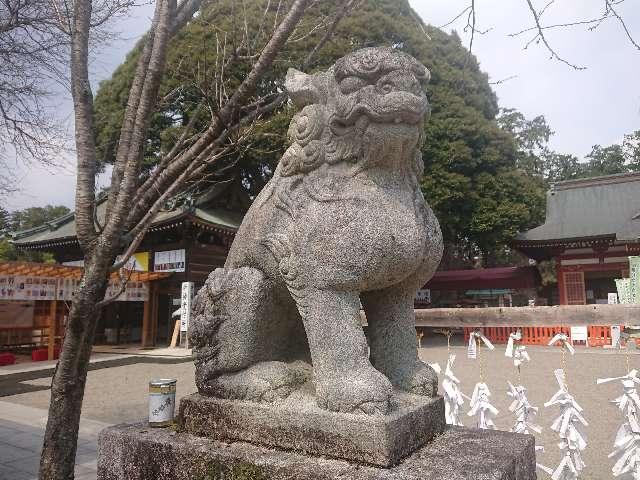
[118, 394]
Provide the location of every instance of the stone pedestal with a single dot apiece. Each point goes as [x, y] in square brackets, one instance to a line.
[137, 452]
[298, 424]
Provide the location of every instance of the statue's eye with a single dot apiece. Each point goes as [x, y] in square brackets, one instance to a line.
[387, 87]
[351, 84]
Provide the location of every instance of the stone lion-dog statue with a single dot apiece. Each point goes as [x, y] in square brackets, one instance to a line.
[341, 226]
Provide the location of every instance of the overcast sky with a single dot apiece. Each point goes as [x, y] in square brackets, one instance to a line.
[597, 105]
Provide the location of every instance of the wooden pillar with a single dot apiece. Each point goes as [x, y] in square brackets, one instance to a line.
[562, 292]
[147, 329]
[53, 324]
[153, 290]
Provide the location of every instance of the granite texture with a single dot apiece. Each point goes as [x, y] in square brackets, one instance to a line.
[342, 223]
[298, 424]
[137, 452]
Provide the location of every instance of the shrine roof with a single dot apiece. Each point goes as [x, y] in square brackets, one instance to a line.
[600, 209]
[62, 230]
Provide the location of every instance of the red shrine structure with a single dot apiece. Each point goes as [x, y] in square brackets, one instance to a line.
[592, 227]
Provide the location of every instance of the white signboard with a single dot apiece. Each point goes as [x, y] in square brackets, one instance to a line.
[185, 305]
[67, 288]
[615, 335]
[27, 288]
[134, 291]
[169, 261]
[612, 298]
[579, 334]
[43, 288]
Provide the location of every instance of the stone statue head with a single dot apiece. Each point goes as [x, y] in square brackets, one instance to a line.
[368, 109]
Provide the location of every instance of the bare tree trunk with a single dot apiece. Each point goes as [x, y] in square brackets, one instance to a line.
[122, 227]
[67, 388]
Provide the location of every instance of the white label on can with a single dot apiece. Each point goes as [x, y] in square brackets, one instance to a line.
[161, 407]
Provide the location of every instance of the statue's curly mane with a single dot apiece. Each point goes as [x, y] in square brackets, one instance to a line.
[332, 125]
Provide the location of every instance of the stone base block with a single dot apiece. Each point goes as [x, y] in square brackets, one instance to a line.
[137, 452]
[298, 424]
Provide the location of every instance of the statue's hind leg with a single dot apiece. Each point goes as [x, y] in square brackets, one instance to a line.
[247, 337]
[392, 339]
[345, 380]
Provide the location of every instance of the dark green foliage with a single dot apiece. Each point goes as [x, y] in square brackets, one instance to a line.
[472, 177]
[24, 220]
[536, 158]
[35, 216]
[5, 221]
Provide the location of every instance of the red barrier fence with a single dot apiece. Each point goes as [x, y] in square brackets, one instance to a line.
[598, 335]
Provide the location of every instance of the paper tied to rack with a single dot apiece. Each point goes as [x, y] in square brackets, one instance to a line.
[567, 424]
[472, 349]
[569, 467]
[632, 377]
[565, 340]
[482, 408]
[523, 410]
[626, 447]
[521, 356]
[453, 397]
[513, 338]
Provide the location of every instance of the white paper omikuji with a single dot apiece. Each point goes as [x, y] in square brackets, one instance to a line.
[472, 348]
[565, 340]
[568, 426]
[481, 407]
[523, 411]
[517, 352]
[626, 447]
[453, 397]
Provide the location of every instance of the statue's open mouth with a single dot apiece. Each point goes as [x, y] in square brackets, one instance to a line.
[400, 108]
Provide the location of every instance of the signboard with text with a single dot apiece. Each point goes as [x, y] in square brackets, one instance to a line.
[169, 261]
[185, 305]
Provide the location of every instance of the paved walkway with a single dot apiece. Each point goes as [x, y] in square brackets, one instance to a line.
[101, 353]
[21, 433]
[50, 365]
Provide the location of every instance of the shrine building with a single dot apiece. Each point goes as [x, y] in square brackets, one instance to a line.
[187, 240]
[592, 226]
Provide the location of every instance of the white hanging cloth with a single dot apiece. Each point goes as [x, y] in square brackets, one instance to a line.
[453, 396]
[517, 352]
[565, 340]
[627, 442]
[523, 410]
[568, 425]
[481, 407]
[472, 347]
[513, 337]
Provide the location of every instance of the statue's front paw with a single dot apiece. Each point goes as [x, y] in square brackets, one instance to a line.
[421, 380]
[262, 382]
[365, 391]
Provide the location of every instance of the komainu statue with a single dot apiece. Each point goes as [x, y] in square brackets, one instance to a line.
[341, 226]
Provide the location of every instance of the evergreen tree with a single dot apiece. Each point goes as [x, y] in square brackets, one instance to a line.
[472, 178]
[24, 220]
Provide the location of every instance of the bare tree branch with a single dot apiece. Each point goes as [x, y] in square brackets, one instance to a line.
[610, 9]
[503, 80]
[541, 37]
[121, 289]
[453, 20]
[83, 110]
[224, 118]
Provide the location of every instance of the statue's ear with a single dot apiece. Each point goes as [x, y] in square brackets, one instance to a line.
[302, 88]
